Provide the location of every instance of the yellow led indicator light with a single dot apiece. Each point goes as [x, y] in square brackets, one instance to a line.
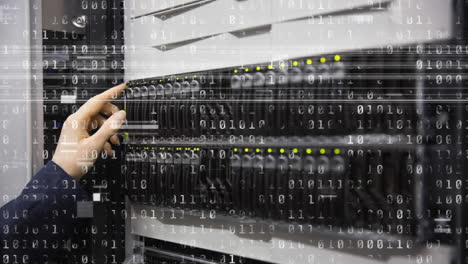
[282, 150]
[323, 151]
[246, 70]
[270, 66]
[160, 80]
[258, 68]
[168, 79]
[186, 77]
[195, 76]
[236, 71]
[246, 149]
[295, 150]
[308, 151]
[309, 62]
[269, 150]
[337, 57]
[323, 60]
[177, 78]
[235, 150]
[126, 135]
[138, 84]
[295, 63]
[337, 151]
[281, 66]
[257, 150]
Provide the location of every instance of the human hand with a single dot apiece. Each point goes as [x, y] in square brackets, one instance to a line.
[76, 150]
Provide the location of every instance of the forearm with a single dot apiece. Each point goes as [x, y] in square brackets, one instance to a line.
[43, 216]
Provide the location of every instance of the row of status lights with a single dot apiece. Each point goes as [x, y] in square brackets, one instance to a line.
[294, 64]
[258, 68]
[162, 148]
[322, 151]
[186, 77]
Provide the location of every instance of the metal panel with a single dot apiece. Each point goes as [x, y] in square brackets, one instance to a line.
[19, 87]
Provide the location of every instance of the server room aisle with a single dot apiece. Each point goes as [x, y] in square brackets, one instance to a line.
[298, 131]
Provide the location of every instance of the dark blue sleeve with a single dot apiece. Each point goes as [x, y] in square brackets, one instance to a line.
[40, 221]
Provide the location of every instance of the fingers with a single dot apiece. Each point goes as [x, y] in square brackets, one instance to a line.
[93, 106]
[115, 140]
[109, 128]
[109, 109]
[96, 122]
[107, 148]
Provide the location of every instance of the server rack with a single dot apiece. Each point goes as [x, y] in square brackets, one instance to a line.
[277, 68]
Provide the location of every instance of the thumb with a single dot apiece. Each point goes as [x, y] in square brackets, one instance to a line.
[109, 128]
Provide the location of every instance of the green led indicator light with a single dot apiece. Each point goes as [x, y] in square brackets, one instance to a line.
[282, 150]
[235, 150]
[295, 150]
[308, 151]
[337, 151]
[323, 151]
[281, 65]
